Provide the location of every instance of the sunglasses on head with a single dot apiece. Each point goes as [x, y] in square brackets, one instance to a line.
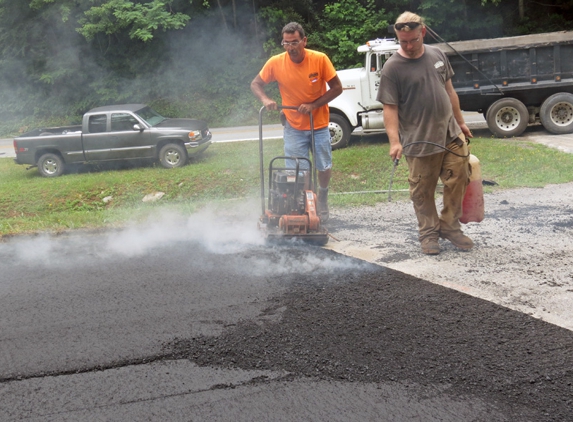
[402, 25]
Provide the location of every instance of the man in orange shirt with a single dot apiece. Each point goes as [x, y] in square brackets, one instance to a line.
[302, 76]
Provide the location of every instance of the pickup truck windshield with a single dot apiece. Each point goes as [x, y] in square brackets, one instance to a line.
[150, 116]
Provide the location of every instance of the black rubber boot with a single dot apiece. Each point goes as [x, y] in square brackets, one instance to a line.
[323, 204]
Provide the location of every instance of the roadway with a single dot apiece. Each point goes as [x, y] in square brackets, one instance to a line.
[226, 134]
[251, 133]
[240, 133]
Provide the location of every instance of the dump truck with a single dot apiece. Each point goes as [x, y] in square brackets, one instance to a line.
[512, 81]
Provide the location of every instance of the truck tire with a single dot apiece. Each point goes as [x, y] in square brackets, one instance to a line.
[507, 117]
[51, 165]
[340, 131]
[556, 113]
[172, 156]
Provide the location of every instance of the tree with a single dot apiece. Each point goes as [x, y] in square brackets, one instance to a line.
[344, 26]
[533, 16]
[521, 6]
[141, 19]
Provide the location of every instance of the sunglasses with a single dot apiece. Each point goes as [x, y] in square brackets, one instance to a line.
[292, 43]
[402, 25]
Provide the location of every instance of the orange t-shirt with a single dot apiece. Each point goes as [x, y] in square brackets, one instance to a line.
[301, 83]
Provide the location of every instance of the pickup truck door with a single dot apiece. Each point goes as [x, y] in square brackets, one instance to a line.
[127, 141]
[95, 138]
[119, 141]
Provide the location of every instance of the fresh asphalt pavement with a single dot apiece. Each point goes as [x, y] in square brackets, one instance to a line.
[193, 318]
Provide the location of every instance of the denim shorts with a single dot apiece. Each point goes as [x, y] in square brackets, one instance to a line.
[298, 144]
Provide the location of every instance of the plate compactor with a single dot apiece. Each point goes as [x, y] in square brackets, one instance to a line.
[292, 201]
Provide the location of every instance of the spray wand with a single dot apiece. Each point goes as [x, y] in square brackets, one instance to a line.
[396, 161]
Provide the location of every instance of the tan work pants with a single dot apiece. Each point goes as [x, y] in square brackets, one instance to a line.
[424, 173]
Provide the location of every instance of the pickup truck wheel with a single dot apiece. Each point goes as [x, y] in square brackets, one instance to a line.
[556, 113]
[507, 117]
[172, 156]
[340, 132]
[51, 165]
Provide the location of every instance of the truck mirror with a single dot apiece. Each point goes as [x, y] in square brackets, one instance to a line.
[138, 127]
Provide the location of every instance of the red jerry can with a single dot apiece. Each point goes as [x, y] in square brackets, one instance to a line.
[473, 204]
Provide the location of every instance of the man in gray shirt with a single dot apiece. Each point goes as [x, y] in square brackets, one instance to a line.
[424, 122]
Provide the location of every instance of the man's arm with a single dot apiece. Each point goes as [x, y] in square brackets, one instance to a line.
[392, 126]
[258, 88]
[335, 90]
[455, 100]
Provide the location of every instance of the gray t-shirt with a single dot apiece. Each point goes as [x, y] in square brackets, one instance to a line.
[417, 87]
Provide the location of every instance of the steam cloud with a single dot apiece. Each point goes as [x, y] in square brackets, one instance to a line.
[228, 232]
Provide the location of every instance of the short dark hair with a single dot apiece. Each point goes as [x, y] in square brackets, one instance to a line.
[292, 27]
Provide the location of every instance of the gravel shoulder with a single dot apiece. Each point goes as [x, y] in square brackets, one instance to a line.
[521, 259]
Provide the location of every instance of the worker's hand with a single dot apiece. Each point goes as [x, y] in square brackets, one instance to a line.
[305, 108]
[466, 130]
[270, 104]
[395, 151]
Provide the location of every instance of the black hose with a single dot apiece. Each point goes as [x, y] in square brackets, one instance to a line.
[436, 37]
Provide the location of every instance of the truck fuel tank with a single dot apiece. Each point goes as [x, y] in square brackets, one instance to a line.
[372, 119]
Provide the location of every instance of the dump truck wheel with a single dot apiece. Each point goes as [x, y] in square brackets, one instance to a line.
[172, 156]
[340, 131]
[556, 113]
[51, 165]
[507, 117]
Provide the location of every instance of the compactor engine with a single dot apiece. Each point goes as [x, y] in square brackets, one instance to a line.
[287, 196]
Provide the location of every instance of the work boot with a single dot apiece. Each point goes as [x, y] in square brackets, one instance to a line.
[430, 246]
[322, 207]
[459, 239]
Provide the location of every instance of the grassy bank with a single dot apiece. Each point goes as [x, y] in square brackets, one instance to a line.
[30, 203]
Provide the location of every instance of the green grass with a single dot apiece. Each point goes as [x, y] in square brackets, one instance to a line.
[30, 203]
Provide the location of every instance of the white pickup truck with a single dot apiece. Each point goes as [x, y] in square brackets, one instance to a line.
[513, 81]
